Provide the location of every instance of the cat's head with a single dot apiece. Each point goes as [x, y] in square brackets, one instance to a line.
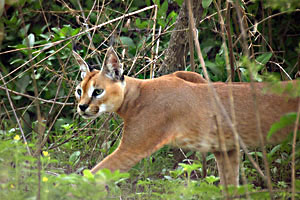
[100, 91]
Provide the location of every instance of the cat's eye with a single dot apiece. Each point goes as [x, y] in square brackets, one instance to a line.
[97, 92]
[78, 92]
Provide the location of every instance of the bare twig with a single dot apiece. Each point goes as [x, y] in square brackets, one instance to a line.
[91, 44]
[149, 64]
[153, 39]
[190, 36]
[231, 55]
[212, 93]
[281, 68]
[189, 161]
[32, 97]
[128, 15]
[267, 18]
[36, 64]
[47, 46]
[156, 52]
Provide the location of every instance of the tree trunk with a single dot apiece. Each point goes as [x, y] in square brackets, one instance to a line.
[178, 48]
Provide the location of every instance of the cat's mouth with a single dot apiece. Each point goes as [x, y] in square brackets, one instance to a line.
[87, 116]
[91, 113]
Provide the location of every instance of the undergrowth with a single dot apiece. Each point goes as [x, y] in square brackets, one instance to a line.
[19, 177]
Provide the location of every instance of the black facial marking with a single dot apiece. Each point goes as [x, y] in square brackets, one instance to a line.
[97, 92]
[79, 92]
[122, 78]
[116, 72]
[91, 68]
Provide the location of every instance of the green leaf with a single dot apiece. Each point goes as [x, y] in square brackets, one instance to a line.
[56, 30]
[179, 2]
[24, 30]
[74, 157]
[31, 40]
[206, 3]
[141, 24]
[67, 127]
[22, 83]
[257, 153]
[215, 68]
[127, 41]
[211, 179]
[284, 121]
[190, 167]
[162, 12]
[88, 174]
[210, 157]
[274, 150]
[75, 31]
[18, 60]
[264, 58]
[297, 184]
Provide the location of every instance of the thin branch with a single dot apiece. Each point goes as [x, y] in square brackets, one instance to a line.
[47, 46]
[156, 52]
[267, 18]
[30, 60]
[281, 69]
[152, 61]
[230, 46]
[153, 40]
[128, 15]
[35, 98]
[91, 44]
[190, 37]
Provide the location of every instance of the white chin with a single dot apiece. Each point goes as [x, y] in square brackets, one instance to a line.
[86, 116]
[103, 108]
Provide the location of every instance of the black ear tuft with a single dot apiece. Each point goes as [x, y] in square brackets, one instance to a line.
[117, 74]
[91, 68]
[122, 78]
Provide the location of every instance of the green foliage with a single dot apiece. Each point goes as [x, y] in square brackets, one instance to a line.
[283, 4]
[19, 180]
[206, 3]
[286, 120]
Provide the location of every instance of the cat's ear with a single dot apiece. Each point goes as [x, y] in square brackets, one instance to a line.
[84, 68]
[111, 66]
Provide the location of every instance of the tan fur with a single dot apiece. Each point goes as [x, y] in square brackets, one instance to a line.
[176, 109]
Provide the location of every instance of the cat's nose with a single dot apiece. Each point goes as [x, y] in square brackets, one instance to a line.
[83, 107]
